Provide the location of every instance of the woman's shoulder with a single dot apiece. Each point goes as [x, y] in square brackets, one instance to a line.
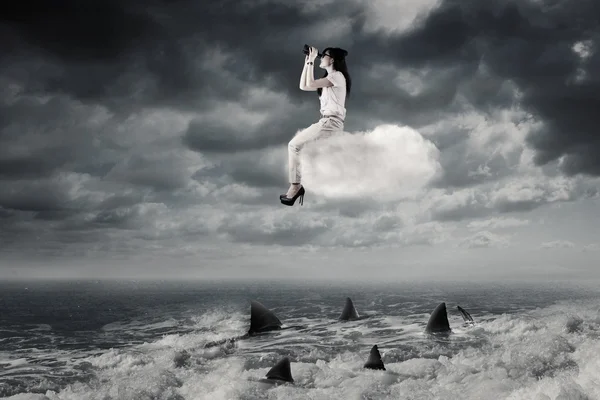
[339, 77]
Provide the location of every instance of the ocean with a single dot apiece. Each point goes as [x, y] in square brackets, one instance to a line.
[145, 340]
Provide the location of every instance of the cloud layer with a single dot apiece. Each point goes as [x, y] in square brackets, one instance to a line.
[161, 130]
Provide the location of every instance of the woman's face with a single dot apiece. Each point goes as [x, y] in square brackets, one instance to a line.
[326, 60]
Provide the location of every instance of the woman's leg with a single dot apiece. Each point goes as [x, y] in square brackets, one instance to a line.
[295, 146]
[321, 129]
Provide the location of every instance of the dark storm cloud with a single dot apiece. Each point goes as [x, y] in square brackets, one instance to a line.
[532, 45]
[5, 214]
[355, 207]
[529, 44]
[124, 53]
[225, 136]
[100, 52]
[88, 69]
[160, 174]
[461, 167]
[154, 55]
[283, 232]
[36, 196]
[255, 172]
[57, 146]
[153, 50]
[48, 131]
[386, 223]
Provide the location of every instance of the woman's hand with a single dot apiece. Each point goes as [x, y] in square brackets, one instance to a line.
[312, 55]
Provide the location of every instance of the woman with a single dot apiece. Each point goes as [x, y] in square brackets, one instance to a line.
[332, 89]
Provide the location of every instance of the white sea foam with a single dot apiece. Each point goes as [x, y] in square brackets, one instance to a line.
[548, 353]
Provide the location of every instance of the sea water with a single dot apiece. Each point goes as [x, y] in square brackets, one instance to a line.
[145, 340]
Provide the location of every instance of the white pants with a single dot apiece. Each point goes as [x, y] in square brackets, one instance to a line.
[326, 127]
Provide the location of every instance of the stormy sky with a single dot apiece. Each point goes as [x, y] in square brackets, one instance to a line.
[149, 140]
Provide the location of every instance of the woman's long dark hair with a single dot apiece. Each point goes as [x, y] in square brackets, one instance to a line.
[339, 64]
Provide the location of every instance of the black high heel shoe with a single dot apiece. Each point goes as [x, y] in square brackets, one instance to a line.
[283, 195]
[289, 201]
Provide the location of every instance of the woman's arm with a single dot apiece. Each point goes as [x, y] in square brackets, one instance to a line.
[311, 83]
[304, 74]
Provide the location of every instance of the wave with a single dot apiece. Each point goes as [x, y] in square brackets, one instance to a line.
[546, 353]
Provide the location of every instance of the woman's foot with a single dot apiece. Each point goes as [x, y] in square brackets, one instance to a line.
[296, 192]
[294, 187]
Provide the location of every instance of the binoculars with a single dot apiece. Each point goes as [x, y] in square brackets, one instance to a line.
[306, 50]
[342, 53]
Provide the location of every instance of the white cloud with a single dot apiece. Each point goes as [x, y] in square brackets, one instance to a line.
[512, 194]
[496, 223]
[454, 205]
[592, 247]
[563, 244]
[583, 48]
[395, 16]
[334, 29]
[390, 162]
[429, 233]
[524, 191]
[485, 239]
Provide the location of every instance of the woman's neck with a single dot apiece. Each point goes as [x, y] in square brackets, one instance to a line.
[329, 69]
